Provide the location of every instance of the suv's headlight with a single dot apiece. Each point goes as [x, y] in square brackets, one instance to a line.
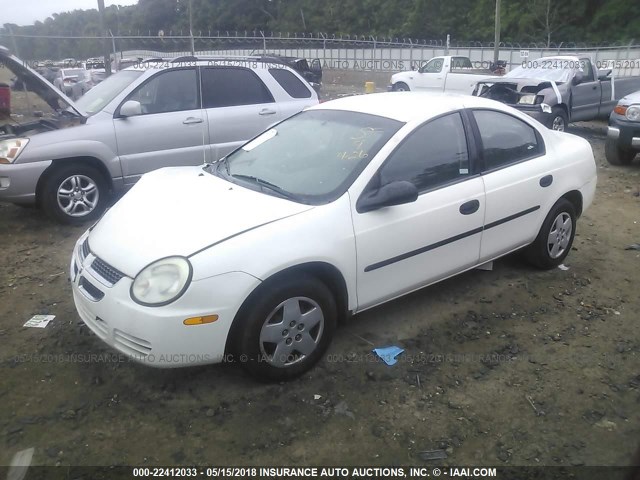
[162, 282]
[10, 149]
[633, 113]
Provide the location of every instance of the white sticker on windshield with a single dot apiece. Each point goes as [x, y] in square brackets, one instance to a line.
[256, 142]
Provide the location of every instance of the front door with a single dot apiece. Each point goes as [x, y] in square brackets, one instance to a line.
[171, 130]
[404, 247]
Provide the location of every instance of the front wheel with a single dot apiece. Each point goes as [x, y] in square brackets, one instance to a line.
[555, 238]
[616, 155]
[400, 87]
[558, 119]
[74, 194]
[287, 327]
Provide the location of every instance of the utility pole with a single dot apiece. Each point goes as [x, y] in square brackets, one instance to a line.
[105, 41]
[193, 47]
[496, 43]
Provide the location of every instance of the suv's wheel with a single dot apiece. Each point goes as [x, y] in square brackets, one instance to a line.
[616, 155]
[558, 119]
[74, 193]
[555, 238]
[400, 87]
[286, 329]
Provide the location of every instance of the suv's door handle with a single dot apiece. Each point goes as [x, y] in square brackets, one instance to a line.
[469, 207]
[190, 120]
[266, 111]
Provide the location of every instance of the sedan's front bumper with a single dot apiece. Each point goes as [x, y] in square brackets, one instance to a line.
[157, 336]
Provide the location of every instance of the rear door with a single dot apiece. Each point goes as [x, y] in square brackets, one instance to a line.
[171, 129]
[238, 106]
[517, 175]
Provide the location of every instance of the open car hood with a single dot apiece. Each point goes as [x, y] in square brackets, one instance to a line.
[34, 82]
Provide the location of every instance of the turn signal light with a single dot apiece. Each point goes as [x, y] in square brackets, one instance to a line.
[201, 320]
[620, 109]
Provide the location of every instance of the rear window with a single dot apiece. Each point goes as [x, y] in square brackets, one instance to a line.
[291, 84]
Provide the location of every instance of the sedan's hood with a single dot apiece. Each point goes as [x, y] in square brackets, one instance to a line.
[36, 83]
[180, 211]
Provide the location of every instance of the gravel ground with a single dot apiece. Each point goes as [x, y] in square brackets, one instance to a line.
[512, 366]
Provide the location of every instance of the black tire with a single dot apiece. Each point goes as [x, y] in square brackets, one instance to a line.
[616, 155]
[400, 87]
[265, 308]
[540, 253]
[83, 202]
[558, 120]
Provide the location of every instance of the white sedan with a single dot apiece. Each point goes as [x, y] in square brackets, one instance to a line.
[340, 208]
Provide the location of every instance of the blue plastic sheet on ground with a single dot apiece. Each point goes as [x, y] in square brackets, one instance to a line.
[388, 354]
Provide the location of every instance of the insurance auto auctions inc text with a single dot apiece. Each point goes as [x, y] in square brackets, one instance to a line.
[373, 472]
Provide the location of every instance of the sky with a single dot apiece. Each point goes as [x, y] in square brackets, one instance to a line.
[26, 12]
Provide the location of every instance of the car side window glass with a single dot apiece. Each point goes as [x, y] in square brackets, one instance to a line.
[230, 86]
[434, 154]
[433, 66]
[505, 139]
[587, 71]
[290, 83]
[169, 91]
[461, 62]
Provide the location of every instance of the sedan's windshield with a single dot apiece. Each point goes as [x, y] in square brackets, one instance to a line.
[313, 157]
[542, 73]
[99, 96]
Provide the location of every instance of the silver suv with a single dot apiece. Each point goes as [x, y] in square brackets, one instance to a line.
[66, 157]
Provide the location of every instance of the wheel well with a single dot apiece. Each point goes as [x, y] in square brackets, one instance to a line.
[325, 272]
[563, 106]
[94, 162]
[575, 197]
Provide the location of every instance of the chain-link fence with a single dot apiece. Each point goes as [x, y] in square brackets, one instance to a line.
[346, 52]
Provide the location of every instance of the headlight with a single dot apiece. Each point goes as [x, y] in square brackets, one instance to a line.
[162, 282]
[633, 113]
[10, 149]
[529, 99]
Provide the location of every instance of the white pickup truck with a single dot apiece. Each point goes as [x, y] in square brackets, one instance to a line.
[447, 73]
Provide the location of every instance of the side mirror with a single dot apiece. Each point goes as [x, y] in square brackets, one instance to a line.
[577, 79]
[394, 193]
[130, 108]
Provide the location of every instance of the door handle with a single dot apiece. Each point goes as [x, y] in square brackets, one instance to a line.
[469, 207]
[594, 87]
[191, 120]
[546, 180]
[266, 111]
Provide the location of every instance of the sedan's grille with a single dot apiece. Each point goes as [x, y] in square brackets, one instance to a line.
[85, 249]
[133, 345]
[93, 292]
[106, 271]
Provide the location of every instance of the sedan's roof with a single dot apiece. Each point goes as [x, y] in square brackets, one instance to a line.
[408, 106]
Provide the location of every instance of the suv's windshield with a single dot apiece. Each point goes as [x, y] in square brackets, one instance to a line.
[313, 157]
[99, 96]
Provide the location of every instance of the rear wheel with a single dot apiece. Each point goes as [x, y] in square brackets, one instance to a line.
[555, 238]
[400, 87]
[286, 328]
[616, 155]
[74, 193]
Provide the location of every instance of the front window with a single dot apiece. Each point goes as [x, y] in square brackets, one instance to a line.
[99, 96]
[311, 158]
[433, 66]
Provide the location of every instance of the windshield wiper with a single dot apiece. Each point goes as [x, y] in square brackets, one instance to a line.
[264, 183]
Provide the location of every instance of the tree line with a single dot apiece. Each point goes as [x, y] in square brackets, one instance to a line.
[522, 21]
